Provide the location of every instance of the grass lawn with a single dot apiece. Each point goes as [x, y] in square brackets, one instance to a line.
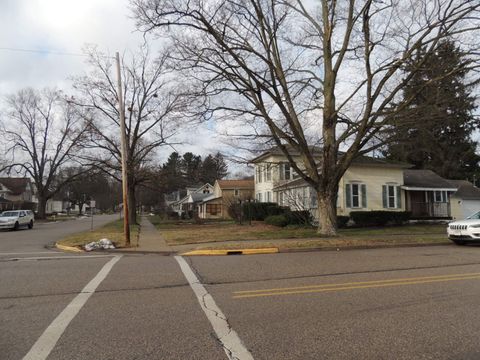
[112, 231]
[182, 233]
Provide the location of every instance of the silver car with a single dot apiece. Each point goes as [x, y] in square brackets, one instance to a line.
[14, 219]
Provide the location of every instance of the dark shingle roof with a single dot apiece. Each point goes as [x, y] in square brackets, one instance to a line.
[466, 190]
[425, 179]
[236, 184]
[16, 185]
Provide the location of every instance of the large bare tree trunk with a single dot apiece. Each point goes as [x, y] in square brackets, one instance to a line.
[42, 204]
[327, 213]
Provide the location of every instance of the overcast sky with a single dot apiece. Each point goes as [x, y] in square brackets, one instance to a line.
[66, 26]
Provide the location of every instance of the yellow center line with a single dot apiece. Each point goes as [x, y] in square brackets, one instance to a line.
[351, 286]
[357, 283]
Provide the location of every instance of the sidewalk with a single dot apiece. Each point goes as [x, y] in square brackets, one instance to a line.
[150, 239]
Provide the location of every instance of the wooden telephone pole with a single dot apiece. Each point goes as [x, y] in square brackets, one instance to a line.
[123, 150]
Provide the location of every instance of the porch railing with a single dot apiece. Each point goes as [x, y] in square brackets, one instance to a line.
[430, 210]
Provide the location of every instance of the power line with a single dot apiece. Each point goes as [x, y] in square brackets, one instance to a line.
[52, 52]
[46, 52]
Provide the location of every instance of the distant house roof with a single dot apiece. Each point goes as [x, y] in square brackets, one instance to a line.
[425, 180]
[359, 160]
[17, 186]
[466, 190]
[196, 197]
[236, 184]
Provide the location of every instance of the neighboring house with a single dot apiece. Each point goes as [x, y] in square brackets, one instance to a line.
[225, 193]
[16, 193]
[428, 194]
[465, 201]
[193, 195]
[368, 184]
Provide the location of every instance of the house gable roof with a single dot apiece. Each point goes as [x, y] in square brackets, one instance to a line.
[236, 184]
[17, 186]
[362, 160]
[466, 190]
[425, 180]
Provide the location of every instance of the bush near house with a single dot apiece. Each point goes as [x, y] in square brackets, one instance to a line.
[379, 218]
[342, 221]
[303, 217]
[277, 220]
[259, 211]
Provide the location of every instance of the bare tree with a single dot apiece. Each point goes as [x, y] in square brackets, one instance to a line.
[43, 133]
[319, 76]
[153, 114]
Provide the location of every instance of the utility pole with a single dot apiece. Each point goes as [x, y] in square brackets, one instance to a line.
[121, 110]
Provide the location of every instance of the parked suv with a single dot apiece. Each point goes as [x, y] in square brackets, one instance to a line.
[465, 231]
[13, 219]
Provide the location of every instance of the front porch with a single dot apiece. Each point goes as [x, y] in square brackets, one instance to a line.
[428, 204]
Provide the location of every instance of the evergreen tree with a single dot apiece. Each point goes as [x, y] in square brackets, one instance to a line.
[434, 131]
[214, 168]
[191, 168]
[171, 173]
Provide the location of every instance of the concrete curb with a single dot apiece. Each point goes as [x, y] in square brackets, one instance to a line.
[68, 248]
[361, 247]
[230, 252]
[138, 252]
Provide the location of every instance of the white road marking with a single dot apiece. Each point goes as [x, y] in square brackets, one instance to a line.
[46, 342]
[54, 257]
[27, 252]
[230, 340]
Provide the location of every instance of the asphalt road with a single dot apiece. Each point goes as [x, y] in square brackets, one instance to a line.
[405, 303]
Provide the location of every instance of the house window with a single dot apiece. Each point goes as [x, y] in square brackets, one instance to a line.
[440, 196]
[236, 192]
[280, 198]
[269, 196]
[259, 197]
[268, 176]
[285, 171]
[356, 195]
[214, 209]
[392, 196]
[259, 171]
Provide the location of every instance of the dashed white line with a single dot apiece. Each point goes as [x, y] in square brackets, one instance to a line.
[231, 342]
[45, 344]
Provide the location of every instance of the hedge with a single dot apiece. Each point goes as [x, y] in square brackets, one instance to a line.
[259, 211]
[277, 220]
[303, 217]
[342, 221]
[379, 218]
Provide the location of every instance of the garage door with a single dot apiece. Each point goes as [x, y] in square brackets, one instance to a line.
[470, 207]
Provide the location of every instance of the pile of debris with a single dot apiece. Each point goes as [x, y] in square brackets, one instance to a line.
[104, 244]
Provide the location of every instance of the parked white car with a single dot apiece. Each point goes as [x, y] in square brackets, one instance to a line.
[14, 219]
[465, 231]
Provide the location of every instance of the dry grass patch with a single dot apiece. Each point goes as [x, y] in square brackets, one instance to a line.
[112, 231]
[186, 233]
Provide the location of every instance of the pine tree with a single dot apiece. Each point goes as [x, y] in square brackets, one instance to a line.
[214, 168]
[435, 131]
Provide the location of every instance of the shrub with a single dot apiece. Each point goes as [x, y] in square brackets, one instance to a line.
[342, 221]
[303, 217]
[379, 218]
[259, 211]
[235, 212]
[277, 220]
